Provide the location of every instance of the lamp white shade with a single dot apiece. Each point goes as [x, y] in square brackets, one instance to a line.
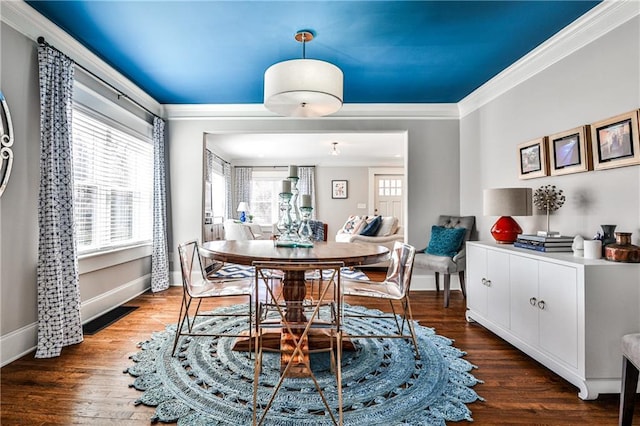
[303, 88]
[508, 202]
[243, 207]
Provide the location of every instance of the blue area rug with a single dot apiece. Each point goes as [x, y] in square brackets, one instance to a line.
[232, 270]
[207, 383]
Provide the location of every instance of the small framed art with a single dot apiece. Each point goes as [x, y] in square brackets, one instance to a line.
[570, 151]
[615, 141]
[532, 157]
[339, 189]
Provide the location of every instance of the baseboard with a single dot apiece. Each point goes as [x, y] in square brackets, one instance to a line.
[176, 278]
[22, 341]
[103, 303]
[426, 281]
[18, 343]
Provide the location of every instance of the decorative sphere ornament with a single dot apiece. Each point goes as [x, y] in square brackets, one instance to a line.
[550, 199]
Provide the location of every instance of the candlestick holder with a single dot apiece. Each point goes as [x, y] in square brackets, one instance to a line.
[284, 224]
[305, 232]
[295, 210]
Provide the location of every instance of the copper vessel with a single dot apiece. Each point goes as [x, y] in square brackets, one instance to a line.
[622, 250]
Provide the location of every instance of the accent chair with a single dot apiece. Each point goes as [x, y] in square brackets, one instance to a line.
[447, 260]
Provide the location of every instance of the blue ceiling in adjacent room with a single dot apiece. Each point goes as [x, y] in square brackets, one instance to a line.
[216, 52]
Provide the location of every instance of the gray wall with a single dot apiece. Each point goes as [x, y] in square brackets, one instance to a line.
[334, 212]
[596, 82]
[107, 282]
[432, 170]
[19, 202]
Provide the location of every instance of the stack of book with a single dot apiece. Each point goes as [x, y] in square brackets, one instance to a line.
[546, 244]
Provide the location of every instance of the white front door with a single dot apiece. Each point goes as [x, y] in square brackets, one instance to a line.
[388, 196]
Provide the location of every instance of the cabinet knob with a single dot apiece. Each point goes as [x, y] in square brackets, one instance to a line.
[533, 301]
[541, 304]
[484, 281]
[488, 284]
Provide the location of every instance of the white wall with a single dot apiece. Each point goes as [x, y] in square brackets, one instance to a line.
[596, 82]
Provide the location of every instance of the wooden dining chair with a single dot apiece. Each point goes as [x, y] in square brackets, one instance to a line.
[197, 285]
[294, 321]
[394, 288]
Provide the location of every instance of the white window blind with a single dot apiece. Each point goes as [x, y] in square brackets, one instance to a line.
[113, 185]
[265, 189]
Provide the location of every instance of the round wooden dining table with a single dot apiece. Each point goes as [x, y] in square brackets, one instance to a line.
[245, 252]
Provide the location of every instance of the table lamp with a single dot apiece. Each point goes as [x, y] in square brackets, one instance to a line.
[243, 207]
[507, 202]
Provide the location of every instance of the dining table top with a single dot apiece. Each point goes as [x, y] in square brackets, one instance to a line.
[245, 252]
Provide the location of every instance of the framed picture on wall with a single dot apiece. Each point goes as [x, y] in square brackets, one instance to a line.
[532, 157]
[339, 189]
[615, 141]
[570, 151]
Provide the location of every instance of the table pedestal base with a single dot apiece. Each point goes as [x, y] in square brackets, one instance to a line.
[275, 340]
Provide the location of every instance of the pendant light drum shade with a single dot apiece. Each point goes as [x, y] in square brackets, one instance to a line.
[303, 88]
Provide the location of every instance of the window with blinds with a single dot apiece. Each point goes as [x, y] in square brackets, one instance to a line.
[113, 185]
[264, 203]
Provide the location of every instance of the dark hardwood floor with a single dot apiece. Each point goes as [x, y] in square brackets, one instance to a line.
[86, 384]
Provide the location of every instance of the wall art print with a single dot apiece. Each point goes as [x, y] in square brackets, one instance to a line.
[570, 151]
[339, 189]
[532, 157]
[615, 141]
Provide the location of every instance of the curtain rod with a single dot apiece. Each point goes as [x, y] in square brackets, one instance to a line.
[117, 91]
[219, 158]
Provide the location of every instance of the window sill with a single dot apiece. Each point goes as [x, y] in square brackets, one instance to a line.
[96, 261]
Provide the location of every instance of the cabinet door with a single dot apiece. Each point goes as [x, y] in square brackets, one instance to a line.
[558, 293]
[476, 278]
[524, 298]
[498, 287]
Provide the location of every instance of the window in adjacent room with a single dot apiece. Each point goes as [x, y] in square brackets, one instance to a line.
[265, 189]
[113, 184]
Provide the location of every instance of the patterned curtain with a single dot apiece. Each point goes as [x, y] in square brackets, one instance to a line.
[159, 254]
[307, 185]
[242, 187]
[59, 322]
[208, 172]
[228, 190]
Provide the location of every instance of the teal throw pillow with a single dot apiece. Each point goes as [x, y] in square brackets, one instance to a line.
[372, 227]
[445, 241]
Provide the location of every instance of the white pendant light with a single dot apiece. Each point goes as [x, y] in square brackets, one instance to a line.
[334, 150]
[303, 87]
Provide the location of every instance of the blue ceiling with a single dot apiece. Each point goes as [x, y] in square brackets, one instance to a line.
[216, 52]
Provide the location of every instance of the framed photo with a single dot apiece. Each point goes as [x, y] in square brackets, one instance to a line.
[339, 189]
[570, 151]
[615, 141]
[532, 157]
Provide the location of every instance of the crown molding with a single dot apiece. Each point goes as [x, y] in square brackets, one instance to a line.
[348, 111]
[603, 18]
[27, 21]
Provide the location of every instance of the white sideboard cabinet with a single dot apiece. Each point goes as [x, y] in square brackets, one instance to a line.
[568, 313]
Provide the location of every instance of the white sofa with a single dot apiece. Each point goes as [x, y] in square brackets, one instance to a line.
[387, 235]
[234, 230]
